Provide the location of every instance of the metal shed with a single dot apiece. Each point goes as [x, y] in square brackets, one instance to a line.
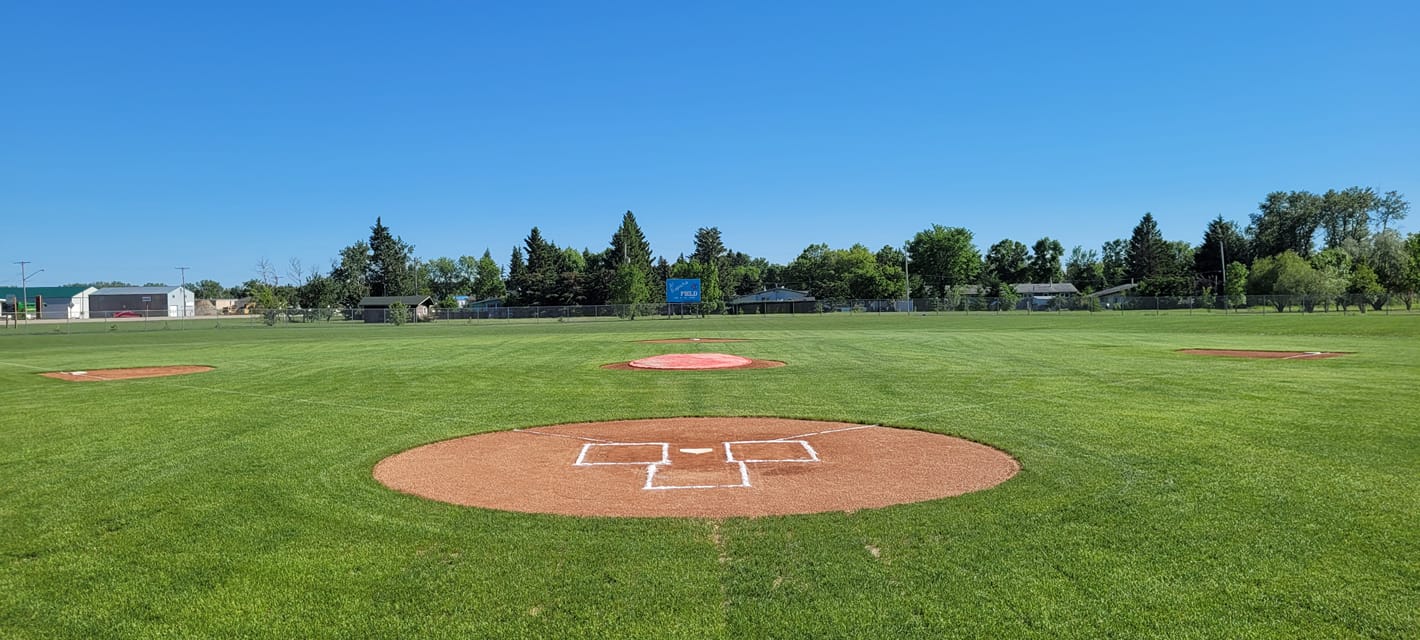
[51, 303]
[151, 302]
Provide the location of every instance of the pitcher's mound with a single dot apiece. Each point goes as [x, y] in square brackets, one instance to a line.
[107, 375]
[696, 467]
[695, 362]
[692, 340]
[1279, 355]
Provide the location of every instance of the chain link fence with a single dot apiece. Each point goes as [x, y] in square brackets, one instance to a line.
[130, 321]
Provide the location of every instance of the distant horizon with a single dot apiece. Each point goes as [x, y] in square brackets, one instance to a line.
[146, 136]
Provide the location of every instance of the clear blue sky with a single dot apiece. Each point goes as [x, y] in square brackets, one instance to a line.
[135, 137]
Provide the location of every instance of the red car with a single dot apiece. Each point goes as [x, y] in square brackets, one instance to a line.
[127, 314]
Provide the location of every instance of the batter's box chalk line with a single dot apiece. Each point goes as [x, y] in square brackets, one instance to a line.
[664, 447]
[653, 469]
[595, 454]
[811, 455]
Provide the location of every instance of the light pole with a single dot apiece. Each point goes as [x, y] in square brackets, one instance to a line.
[182, 297]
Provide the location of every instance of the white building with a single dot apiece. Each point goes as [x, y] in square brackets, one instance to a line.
[150, 302]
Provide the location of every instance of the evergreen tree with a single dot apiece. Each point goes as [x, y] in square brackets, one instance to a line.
[1221, 241]
[516, 277]
[629, 245]
[709, 248]
[1148, 254]
[540, 279]
[389, 273]
[488, 279]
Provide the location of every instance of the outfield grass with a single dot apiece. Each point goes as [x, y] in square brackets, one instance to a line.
[1161, 495]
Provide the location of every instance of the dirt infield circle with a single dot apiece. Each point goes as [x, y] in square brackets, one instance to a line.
[109, 375]
[691, 340]
[1273, 355]
[693, 362]
[696, 467]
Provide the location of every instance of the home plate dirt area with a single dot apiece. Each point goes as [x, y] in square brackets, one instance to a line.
[696, 467]
[1273, 355]
[108, 375]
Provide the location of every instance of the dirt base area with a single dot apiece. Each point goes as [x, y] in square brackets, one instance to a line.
[696, 467]
[1273, 355]
[694, 362]
[692, 340]
[109, 375]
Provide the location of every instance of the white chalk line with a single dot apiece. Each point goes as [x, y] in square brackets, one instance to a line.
[253, 394]
[978, 405]
[24, 366]
[801, 436]
[562, 435]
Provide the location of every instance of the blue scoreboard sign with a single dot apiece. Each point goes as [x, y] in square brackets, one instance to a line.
[683, 290]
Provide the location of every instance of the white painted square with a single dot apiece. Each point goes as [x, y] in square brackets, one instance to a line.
[726, 476]
[770, 451]
[623, 453]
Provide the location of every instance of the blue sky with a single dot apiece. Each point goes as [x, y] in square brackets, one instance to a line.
[135, 137]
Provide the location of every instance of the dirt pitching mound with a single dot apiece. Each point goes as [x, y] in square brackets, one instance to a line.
[692, 340]
[691, 361]
[109, 375]
[696, 467]
[694, 362]
[1274, 355]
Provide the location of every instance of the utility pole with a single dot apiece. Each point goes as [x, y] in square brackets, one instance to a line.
[1223, 262]
[182, 303]
[906, 280]
[24, 287]
[24, 292]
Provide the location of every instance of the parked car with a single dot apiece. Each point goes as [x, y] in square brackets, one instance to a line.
[127, 314]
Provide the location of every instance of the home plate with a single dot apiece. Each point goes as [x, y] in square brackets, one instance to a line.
[697, 451]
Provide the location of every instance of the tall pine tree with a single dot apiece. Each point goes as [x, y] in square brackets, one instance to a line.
[1148, 254]
[389, 272]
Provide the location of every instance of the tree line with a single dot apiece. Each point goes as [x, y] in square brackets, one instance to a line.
[1296, 243]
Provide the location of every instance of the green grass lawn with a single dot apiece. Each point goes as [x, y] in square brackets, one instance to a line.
[1161, 495]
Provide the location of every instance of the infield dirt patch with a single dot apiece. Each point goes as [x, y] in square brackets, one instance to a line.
[694, 362]
[109, 375]
[696, 467]
[1274, 355]
[692, 340]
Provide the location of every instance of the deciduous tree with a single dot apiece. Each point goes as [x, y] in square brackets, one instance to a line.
[1045, 260]
[1006, 262]
[944, 257]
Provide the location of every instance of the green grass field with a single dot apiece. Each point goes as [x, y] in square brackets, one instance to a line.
[1161, 495]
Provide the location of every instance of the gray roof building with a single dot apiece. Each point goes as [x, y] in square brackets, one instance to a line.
[386, 301]
[777, 294]
[1045, 289]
